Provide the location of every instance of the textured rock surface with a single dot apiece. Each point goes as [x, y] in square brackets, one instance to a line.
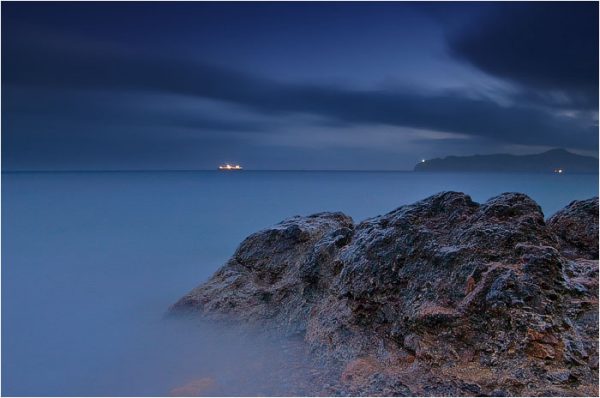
[577, 236]
[442, 297]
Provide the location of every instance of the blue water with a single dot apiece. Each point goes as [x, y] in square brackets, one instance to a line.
[91, 261]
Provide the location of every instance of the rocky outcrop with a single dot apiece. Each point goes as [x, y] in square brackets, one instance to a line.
[442, 297]
[577, 236]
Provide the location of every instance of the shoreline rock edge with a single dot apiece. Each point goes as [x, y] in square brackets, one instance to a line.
[441, 297]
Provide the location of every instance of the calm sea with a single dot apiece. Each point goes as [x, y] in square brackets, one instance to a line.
[91, 261]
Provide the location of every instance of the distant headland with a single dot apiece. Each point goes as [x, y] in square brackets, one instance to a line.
[553, 161]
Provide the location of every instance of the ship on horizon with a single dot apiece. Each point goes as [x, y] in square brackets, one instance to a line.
[228, 166]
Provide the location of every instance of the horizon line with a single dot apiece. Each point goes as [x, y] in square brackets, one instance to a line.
[280, 170]
[188, 170]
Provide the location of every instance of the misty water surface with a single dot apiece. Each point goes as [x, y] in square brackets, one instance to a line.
[91, 262]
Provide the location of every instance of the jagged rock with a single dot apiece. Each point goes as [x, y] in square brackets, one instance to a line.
[578, 236]
[444, 297]
[277, 274]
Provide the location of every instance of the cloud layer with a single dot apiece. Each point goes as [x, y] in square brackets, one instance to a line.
[541, 46]
[544, 59]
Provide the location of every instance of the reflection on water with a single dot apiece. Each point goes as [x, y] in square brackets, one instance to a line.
[91, 262]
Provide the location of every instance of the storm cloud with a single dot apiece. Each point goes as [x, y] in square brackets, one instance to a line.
[62, 68]
[544, 62]
[540, 46]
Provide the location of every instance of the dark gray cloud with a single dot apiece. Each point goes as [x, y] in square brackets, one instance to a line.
[65, 66]
[191, 85]
[110, 109]
[550, 47]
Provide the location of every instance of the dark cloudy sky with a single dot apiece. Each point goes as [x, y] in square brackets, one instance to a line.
[293, 85]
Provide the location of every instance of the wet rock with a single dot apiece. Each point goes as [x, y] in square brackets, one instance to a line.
[442, 297]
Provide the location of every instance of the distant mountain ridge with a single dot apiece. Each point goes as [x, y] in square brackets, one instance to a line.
[547, 162]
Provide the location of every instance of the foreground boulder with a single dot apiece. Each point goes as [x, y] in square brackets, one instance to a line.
[442, 297]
